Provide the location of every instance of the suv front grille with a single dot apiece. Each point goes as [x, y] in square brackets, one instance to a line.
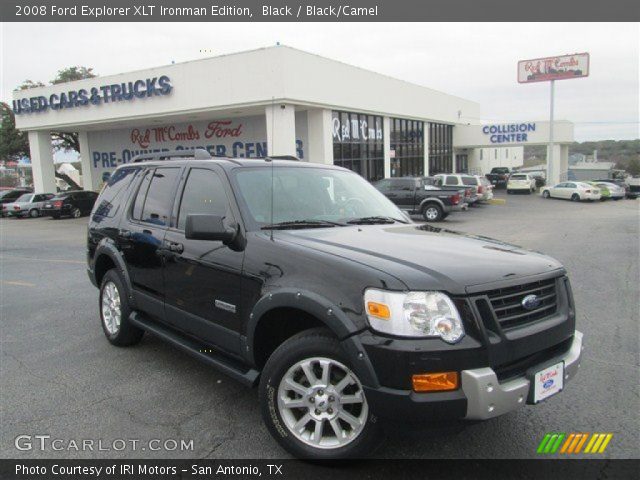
[508, 307]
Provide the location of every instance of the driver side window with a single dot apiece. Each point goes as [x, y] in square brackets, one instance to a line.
[203, 193]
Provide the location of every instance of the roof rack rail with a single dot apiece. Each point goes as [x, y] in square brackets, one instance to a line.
[196, 153]
[282, 157]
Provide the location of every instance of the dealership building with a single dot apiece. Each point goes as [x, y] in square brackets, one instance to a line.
[274, 101]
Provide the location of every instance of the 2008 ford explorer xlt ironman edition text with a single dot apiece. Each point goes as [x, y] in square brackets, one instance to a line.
[305, 279]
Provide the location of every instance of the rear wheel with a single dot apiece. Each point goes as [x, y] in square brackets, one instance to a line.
[432, 213]
[76, 213]
[115, 311]
[34, 213]
[313, 403]
[575, 197]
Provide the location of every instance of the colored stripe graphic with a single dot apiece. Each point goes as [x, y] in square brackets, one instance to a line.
[573, 443]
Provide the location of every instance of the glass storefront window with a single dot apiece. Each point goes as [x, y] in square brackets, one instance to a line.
[440, 148]
[407, 141]
[358, 143]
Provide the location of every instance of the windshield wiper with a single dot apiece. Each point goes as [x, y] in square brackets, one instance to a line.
[301, 224]
[374, 220]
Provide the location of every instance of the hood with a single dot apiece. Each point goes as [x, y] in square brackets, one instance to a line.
[426, 257]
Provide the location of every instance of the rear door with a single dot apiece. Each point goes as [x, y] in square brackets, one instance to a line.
[202, 277]
[405, 191]
[142, 232]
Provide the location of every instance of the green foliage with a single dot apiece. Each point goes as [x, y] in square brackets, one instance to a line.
[621, 152]
[634, 166]
[63, 140]
[14, 144]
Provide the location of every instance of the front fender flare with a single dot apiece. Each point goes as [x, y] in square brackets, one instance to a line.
[324, 310]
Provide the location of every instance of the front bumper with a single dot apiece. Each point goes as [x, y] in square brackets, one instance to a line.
[481, 396]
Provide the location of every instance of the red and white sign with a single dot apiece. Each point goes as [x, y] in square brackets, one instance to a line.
[553, 68]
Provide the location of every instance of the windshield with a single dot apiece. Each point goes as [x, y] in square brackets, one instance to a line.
[518, 177]
[24, 198]
[310, 194]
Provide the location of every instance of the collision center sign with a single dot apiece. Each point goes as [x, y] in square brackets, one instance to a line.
[553, 68]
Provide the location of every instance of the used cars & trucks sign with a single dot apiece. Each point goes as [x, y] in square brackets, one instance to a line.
[553, 68]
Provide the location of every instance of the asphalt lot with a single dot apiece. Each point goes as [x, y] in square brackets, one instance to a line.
[60, 377]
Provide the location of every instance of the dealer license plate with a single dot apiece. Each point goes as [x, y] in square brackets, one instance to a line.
[548, 382]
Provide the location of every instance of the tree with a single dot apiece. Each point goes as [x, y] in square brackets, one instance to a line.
[14, 144]
[72, 74]
[634, 166]
[63, 140]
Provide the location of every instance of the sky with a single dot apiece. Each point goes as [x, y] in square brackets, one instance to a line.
[476, 61]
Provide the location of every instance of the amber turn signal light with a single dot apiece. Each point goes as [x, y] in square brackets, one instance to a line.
[379, 310]
[435, 382]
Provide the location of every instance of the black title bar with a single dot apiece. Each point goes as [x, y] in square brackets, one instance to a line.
[318, 11]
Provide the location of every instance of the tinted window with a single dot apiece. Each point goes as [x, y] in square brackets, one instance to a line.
[63, 195]
[402, 184]
[452, 181]
[159, 199]
[203, 193]
[117, 184]
[518, 177]
[469, 181]
[25, 198]
[382, 185]
[570, 185]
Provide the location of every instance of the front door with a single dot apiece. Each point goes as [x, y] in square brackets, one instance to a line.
[202, 277]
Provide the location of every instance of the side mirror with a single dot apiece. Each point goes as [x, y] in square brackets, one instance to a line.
[202, 226]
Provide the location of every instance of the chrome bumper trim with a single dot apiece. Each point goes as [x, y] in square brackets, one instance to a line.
[487, 398]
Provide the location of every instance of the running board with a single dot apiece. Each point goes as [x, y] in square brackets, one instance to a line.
[230, 367]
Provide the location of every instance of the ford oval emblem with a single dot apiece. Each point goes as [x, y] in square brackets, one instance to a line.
[548, 383]
[531, 302]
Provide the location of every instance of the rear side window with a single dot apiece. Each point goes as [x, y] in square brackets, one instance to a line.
[518, 177]
[469, 181]
[452, 181]
[203, 193]
[111, 197]
[159, 197]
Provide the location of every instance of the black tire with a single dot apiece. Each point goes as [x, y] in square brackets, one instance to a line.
[575, 197]
[308, 344]
[34, 213]
[432, 212]
[546, 194]
[76, 212]
[127, 334]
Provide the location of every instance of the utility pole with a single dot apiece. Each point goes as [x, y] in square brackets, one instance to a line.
[550, 152]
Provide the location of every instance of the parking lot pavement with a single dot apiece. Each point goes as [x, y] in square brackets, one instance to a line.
[60, 377]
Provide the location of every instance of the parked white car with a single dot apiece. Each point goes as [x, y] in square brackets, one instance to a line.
[617, 192]
[521, 182]
[29, 204]
[574, 191]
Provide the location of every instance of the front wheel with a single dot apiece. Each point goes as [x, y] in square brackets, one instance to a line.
[546, 194]
[432, 213]
[313, 403]
[115, 311]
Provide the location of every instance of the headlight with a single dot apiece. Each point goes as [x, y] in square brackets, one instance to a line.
[413, 314]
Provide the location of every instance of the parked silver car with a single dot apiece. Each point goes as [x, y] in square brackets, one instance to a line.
[29, 204]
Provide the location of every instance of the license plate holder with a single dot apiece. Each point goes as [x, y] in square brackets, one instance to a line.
[547, 382]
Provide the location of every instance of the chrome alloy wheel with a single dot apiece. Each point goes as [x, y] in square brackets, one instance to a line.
[322, 403]
[431, 213]
[111, 310]
[76, 213]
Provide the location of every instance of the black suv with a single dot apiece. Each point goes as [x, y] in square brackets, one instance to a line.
[305, 279]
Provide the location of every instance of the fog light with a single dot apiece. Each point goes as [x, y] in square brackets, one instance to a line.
[435, 382]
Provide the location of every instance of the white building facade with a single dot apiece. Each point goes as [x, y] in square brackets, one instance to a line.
[271, 101]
